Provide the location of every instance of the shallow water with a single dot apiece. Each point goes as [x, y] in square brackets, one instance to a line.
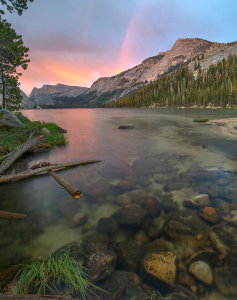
[165, 153]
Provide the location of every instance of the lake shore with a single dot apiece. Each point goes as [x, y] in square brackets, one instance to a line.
[227, 126]
[12, 138]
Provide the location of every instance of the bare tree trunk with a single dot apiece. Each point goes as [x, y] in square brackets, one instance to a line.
[10, 215]
[29, 173]
[18, 152]
[76, 194]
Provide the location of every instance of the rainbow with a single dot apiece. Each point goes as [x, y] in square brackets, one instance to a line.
[123, 62]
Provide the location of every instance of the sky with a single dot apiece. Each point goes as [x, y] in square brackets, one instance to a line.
[75, 42]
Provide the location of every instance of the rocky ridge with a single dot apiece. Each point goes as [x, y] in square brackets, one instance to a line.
[106, 89]
[55, 94]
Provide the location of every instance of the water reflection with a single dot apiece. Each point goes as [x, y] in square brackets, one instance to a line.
[166, 157]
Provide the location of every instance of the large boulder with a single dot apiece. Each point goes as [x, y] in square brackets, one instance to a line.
[9, 120]
[159, 269]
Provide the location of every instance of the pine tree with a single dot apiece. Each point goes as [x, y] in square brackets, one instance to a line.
[14, 6]
[13, 55]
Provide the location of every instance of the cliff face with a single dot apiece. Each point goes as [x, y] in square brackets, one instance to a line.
[55, 94]
[111, 88]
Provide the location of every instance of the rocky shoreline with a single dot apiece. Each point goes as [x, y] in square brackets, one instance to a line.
[227, 126]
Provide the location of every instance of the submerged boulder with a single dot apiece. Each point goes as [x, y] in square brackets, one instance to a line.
[126, 127]
[152, 207]
[78, 220]
[123, 285]
[159, 270]
[197, 201]
[218, 244]
[129, 254]
[107, 226]
[225, 281]
[209, 214]
[187, 230]
[130, 215]
[8, 119]
[168, 204]
[100, 264]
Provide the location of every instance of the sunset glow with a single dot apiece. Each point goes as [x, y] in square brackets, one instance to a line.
[79, 41]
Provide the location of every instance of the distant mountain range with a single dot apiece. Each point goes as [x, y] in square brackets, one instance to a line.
[184, 51]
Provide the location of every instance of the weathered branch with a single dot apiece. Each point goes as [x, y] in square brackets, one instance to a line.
[76, 194]
[6, 164]
[29, 173]
[10, 215]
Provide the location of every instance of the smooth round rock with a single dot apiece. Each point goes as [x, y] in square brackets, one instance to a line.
[202, 272]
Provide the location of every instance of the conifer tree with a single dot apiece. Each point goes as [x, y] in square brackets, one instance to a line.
[215, 86]
[13, 56]
[14, 6]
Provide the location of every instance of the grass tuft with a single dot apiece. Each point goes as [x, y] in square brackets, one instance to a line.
[201, 120]
[54, 273]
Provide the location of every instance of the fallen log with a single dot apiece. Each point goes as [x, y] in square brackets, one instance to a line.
[29, 173]
[14, 155]
[34, 297]
[12, 216]
[76, 194]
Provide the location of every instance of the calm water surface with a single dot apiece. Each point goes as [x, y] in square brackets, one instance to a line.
[164, 157]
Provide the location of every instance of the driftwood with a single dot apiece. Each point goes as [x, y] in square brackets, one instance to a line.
[34, 297]
[29, 173]
[10, 215]
[76, 194]
[14, 155]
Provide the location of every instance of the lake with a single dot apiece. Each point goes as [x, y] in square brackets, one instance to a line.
[166, 158]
